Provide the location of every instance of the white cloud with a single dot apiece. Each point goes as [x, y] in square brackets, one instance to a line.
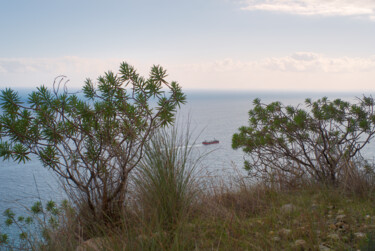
[298, 71]
[315, 63]
[307, 62]
[27, 72]
[365, 8]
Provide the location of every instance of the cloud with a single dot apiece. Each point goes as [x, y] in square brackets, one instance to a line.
[51, 65]
[364, 8]
[303, 62]
[315, 63]
[20, 72]
[300, 70]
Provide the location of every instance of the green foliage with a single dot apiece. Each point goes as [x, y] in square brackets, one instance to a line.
[94, 141]
[319, 141]
[33, 228]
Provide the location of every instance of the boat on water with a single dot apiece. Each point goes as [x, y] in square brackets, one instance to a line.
[215, 141]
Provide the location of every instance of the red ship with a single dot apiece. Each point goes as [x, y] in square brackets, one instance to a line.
[215, 141]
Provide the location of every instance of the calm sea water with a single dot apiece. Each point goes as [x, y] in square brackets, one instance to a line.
[212, 115]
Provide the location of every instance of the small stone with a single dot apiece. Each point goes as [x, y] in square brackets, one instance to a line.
[333, 236]
[285, 231]
[314, 207]
[359, 235]
[287, 208]
[276, 239]
[324, 248]
[300, 243]
[340, 217]
[367, 217]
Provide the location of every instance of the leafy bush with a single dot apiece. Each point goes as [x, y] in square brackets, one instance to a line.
[94, 142]
[316, 142]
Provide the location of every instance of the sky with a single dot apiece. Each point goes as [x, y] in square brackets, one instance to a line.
[303, 45]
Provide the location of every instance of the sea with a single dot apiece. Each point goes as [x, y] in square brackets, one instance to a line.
[208, 114]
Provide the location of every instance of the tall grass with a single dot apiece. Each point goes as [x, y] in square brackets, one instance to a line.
[165, 182]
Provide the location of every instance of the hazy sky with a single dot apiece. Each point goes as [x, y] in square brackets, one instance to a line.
[320, 45]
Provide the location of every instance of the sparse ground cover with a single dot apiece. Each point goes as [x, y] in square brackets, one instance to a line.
[258, 218]
[302, 219]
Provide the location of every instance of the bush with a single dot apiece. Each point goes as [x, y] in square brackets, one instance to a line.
[94, 142]
[317, 142]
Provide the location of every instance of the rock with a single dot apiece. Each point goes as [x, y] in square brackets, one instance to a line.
[314, 207]
[359, 235]
[276, 239]
[285, 232]
[340, 217]
[324, 248]
[333, 236]
[288, 208]
[300, 243]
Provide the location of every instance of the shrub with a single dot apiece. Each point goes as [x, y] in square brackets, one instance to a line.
[94, 142]
[316, 142]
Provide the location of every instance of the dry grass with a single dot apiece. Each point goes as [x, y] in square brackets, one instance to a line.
[234, 214]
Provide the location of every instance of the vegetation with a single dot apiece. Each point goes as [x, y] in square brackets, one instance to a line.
[92, 142]
[239, 217]
[320, 142]
[134, 186]
[165, 181]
